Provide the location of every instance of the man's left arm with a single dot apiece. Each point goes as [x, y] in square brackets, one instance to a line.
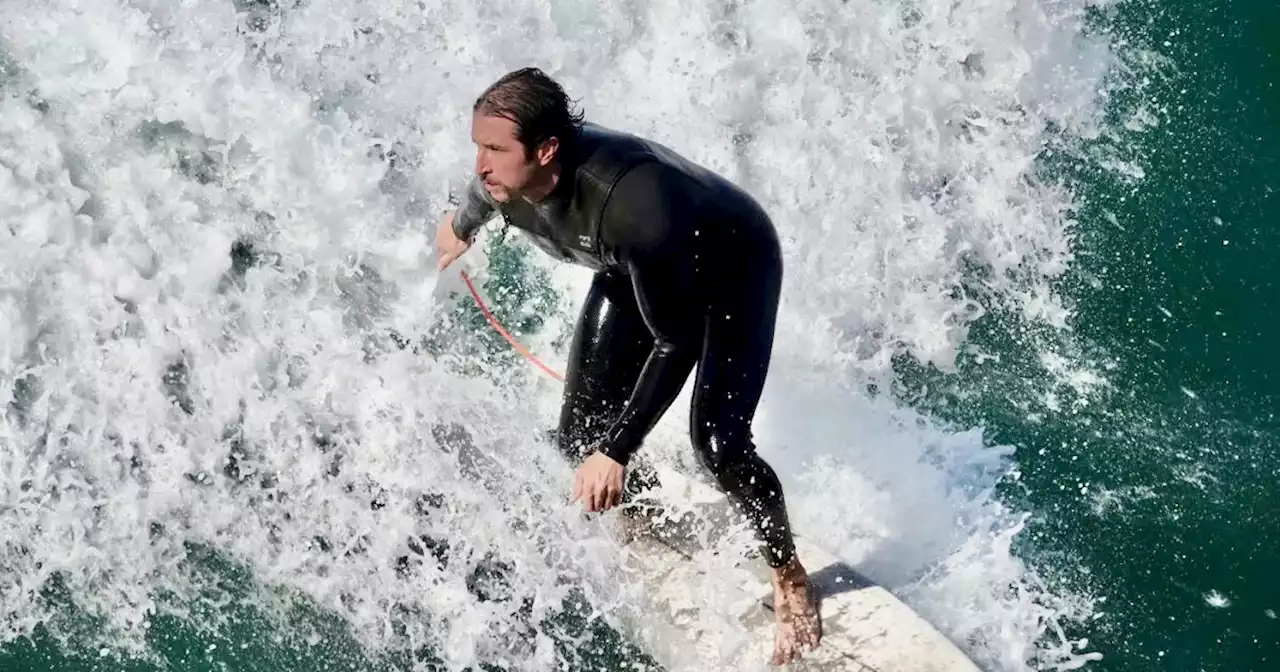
[643, 226]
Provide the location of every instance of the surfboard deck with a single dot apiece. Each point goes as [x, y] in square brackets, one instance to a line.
[697, 595]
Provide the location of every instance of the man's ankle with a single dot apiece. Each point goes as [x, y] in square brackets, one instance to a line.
[792, 573]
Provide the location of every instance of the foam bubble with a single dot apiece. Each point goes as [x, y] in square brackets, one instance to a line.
[206, 243]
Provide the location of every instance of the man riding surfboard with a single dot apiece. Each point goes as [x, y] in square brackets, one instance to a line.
[688, 273]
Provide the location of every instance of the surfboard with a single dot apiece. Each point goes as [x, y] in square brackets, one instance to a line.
[708, 609]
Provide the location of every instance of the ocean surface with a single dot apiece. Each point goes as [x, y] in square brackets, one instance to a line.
[1025, 372]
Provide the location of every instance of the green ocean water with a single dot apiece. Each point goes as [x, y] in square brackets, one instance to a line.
[1154, 490]
[1157, 489]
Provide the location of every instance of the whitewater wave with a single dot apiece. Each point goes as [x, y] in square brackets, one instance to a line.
[221, 326]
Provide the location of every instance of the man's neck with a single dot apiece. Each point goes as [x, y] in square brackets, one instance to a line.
[541, 191]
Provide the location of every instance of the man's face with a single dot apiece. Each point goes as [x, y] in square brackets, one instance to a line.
[501, 160]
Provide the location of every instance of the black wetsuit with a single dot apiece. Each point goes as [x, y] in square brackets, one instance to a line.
[688, 271]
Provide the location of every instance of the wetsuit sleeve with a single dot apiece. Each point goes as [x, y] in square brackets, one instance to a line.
[473, 211]
[643, 224]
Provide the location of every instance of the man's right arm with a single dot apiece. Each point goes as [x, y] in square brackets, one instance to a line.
[475, 208]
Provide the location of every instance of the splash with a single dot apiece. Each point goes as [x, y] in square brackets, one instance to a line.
[216, 255]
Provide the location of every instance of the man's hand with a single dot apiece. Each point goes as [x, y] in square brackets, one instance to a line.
[448, 245]
[598, 483]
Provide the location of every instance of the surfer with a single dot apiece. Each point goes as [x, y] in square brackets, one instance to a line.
[687, 273]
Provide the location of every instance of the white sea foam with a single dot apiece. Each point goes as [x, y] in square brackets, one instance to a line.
[140, 140]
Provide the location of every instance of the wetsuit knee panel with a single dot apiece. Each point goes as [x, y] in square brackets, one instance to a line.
[717, 450]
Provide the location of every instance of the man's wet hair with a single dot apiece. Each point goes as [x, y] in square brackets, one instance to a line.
[536, 103]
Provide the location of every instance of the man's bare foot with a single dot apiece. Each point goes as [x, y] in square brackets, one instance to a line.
[799, 624]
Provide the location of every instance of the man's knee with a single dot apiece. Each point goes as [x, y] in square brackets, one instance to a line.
[573, 445]
[720, 451]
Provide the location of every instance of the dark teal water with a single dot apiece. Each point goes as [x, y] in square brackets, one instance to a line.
[1155, 491]
[1158, 492]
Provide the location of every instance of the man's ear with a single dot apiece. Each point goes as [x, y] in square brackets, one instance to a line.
[547, 150]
